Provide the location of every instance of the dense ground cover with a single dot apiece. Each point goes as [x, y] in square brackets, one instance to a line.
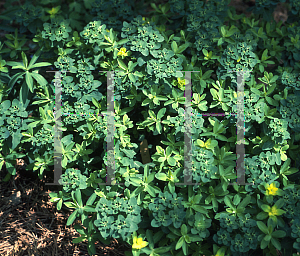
[150, 54]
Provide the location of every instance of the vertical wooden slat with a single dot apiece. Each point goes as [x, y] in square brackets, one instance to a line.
[145, 152]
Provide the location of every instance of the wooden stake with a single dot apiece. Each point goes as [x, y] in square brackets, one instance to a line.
[145, 152]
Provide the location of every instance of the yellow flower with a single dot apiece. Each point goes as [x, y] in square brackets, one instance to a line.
[53, 11]
[271, 190]
[273, 211]
[138, 243]
[181, 83]
[122, 52]
[144, 19]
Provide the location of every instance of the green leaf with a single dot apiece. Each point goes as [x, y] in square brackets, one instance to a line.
[131, 78]
[291, 171]
[123, 41]
[262, 227]
[59, 204]
[122, 64]
[214, 93]
[40, 79]
[15, 64]
[78, 197]
[161, 176]
[152, 114]
[183, 229]
[171, 161]
[223, 32]
[264, 244]
[13, 80]
[41, 64]
[183, 47]
[236, 199]
[279, 234]
[158, 127]
[89, 209]
[174, 47]
[24, 93]
[161, 113]
[276, 243]
[25, 61]
[71, 218]
[79, 239]
[29, 81]
[111, 35]
[34, 58]
[262, 215]
[267, 237]
[179, 243]
[96, 103]
[265, 208]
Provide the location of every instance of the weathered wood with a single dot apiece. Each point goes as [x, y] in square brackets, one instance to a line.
[145, 152]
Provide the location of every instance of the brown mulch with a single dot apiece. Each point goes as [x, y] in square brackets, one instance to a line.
[30, 225]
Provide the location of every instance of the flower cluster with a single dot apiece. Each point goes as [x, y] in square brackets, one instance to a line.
[72, 179]
[238, 233]
[71, 116]
[164, 69]
[200, 225]
[110, 217]
[205, 29]
[179, 120]
[147, 41]
[278, 130]
[291, 80]
[296, 232]
[94, 32]
[167, 209]
[260, 168]
[65, 63]
[253, 108]
[238, 57]
[43, 138]
[289, 109]
[58, 30]
[203, 167]
[291, 202]
[11, 118]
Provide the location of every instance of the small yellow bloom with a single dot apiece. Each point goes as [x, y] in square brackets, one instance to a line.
[273, 211]
[107, 30]
[138, 243]
[53, 11]
[181, 83]
[144, 19]
[271, 190]
[239, 59]
[122, 52]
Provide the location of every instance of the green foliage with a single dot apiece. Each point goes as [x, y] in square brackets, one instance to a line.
[73, 179]
[145, 206]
